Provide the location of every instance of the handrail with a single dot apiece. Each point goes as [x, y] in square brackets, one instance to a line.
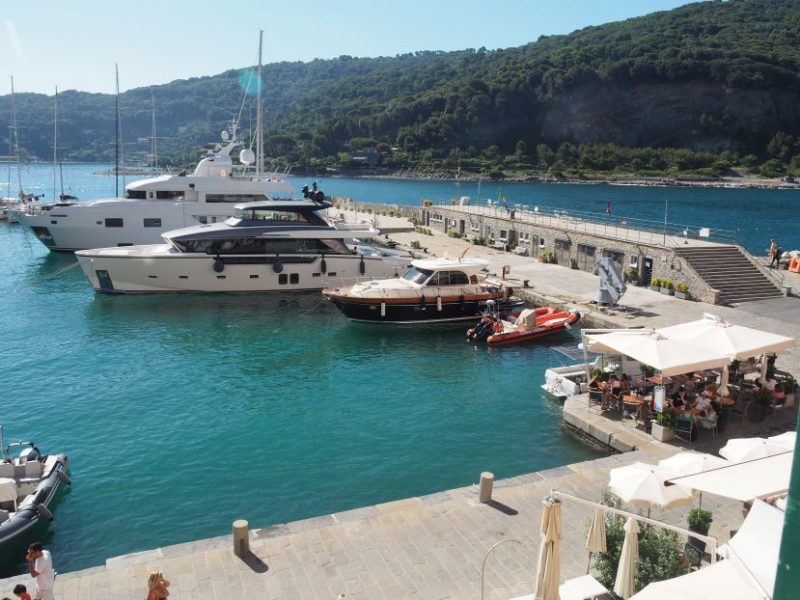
[621, 227]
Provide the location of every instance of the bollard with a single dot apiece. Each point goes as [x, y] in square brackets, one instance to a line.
[487, 479]
[526, 283]
[241, 538]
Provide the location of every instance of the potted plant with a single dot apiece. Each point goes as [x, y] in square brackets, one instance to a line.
[663, 429]
[699, 522]
[666, 286]
[655, 284]
[790, 387]
[546, 257]
[631, 275]
[681, 290]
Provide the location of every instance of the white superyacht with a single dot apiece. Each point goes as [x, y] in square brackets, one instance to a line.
[152, 206]
[268, 246]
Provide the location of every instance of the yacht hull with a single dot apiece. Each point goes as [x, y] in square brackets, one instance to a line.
[125, 274]
[416, 311]
[116, 223]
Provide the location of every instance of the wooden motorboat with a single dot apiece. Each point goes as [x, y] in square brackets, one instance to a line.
[531, 324]
[28, 483]
[432, 290]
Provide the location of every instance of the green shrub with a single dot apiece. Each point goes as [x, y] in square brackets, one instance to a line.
[682, 287]
[453, 233]
[479, 241]
[699, 520]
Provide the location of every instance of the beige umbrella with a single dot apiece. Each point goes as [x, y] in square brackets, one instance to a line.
[723, 382]
[744, 449]
[690, 463]
[625, 584]
[549, 572]
[642, 486]
[596, 538]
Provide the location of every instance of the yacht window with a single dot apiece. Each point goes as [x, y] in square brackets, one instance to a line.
[238, 198]
[458, 278]
[252, 245]
[415, 275]
[169, 195]
[152, 222]
[283, 279]
[136, 194]
[114, 223]
[294, 278]
[264, 214]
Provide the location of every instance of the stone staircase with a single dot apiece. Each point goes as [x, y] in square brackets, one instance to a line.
[729, 270]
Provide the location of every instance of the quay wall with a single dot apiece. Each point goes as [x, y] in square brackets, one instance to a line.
[640, 258]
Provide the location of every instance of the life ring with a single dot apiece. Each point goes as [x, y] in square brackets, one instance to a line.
[277, 267]
[219, 266]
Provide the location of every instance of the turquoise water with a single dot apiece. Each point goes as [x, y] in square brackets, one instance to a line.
[182, 413]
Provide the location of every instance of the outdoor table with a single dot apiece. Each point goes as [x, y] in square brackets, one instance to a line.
[585, 587]
[632, 401]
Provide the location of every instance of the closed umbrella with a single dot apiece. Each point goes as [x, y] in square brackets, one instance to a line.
[625, 583]
[764, 368]
[549, 571]
[642, 486]
[723, 382]
[744, 449]
[596, 538]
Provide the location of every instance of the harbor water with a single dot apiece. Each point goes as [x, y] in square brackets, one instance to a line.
[181, 413]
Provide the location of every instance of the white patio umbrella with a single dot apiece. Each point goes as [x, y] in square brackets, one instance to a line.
[787, 439]
[762, 376]
[596, 537]
[642, 486]
[736, 341]
[648, 346]
[625, 583]
[744, 449]
[690, 463]
[549, 571]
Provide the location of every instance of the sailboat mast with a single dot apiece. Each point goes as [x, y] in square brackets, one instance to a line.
[55, 142]
[116, 138]
[153, 138]
[260, 115]
[16, 141]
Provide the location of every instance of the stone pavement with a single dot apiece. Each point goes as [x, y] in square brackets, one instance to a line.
[430, 547]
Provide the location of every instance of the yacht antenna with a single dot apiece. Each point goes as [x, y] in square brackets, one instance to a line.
[153, 138]
[56, 156]
[260, 116]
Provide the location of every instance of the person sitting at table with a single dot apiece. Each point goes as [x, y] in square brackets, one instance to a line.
[680, 399]
[778, 395]
[605, 399]
[613, 381]
[624, 385]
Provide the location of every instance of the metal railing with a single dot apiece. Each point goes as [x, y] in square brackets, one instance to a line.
[630, 229]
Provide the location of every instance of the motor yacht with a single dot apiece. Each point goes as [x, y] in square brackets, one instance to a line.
[432, 290]
[154, 205]
[28, 483]
[267, 246]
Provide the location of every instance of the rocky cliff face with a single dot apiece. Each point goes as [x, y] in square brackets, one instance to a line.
[697, 115]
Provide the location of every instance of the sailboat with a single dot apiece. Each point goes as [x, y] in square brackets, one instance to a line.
[155, 205]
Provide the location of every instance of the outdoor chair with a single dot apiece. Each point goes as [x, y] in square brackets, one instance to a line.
[643, 416]
[710, 424]
[692, 556]
[685, 426]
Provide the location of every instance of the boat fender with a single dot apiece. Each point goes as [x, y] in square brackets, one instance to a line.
[219, 266]
[383, 309]
[361, 266]
[497, 327]
[44, 512]
[422, 302]
[439, 303]
[64, 477]
[323, 265]
[277, 266]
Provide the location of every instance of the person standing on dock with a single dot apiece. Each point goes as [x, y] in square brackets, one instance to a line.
[771, 251]
[40, 565]
[157, 586]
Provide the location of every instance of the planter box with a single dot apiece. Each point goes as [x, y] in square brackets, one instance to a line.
[681, 295]
[661, 433]
[655, 288]
[666, 291]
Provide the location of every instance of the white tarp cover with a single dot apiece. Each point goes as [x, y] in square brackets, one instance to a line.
[723, 579]
[670, 357]
[757, 544]
[736, 341]
[8, 490]
[744, 481]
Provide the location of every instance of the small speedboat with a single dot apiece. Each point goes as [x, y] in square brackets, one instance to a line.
[432, 290]
[531, 324]
[28, 484]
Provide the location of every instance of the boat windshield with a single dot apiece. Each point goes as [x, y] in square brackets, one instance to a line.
[415, 275]
[267, 214]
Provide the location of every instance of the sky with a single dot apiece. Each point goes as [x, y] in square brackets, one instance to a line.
[74, 44]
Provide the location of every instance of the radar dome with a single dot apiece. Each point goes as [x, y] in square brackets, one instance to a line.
[247, 157]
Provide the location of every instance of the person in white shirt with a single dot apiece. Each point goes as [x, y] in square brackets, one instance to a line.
[40, 565]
